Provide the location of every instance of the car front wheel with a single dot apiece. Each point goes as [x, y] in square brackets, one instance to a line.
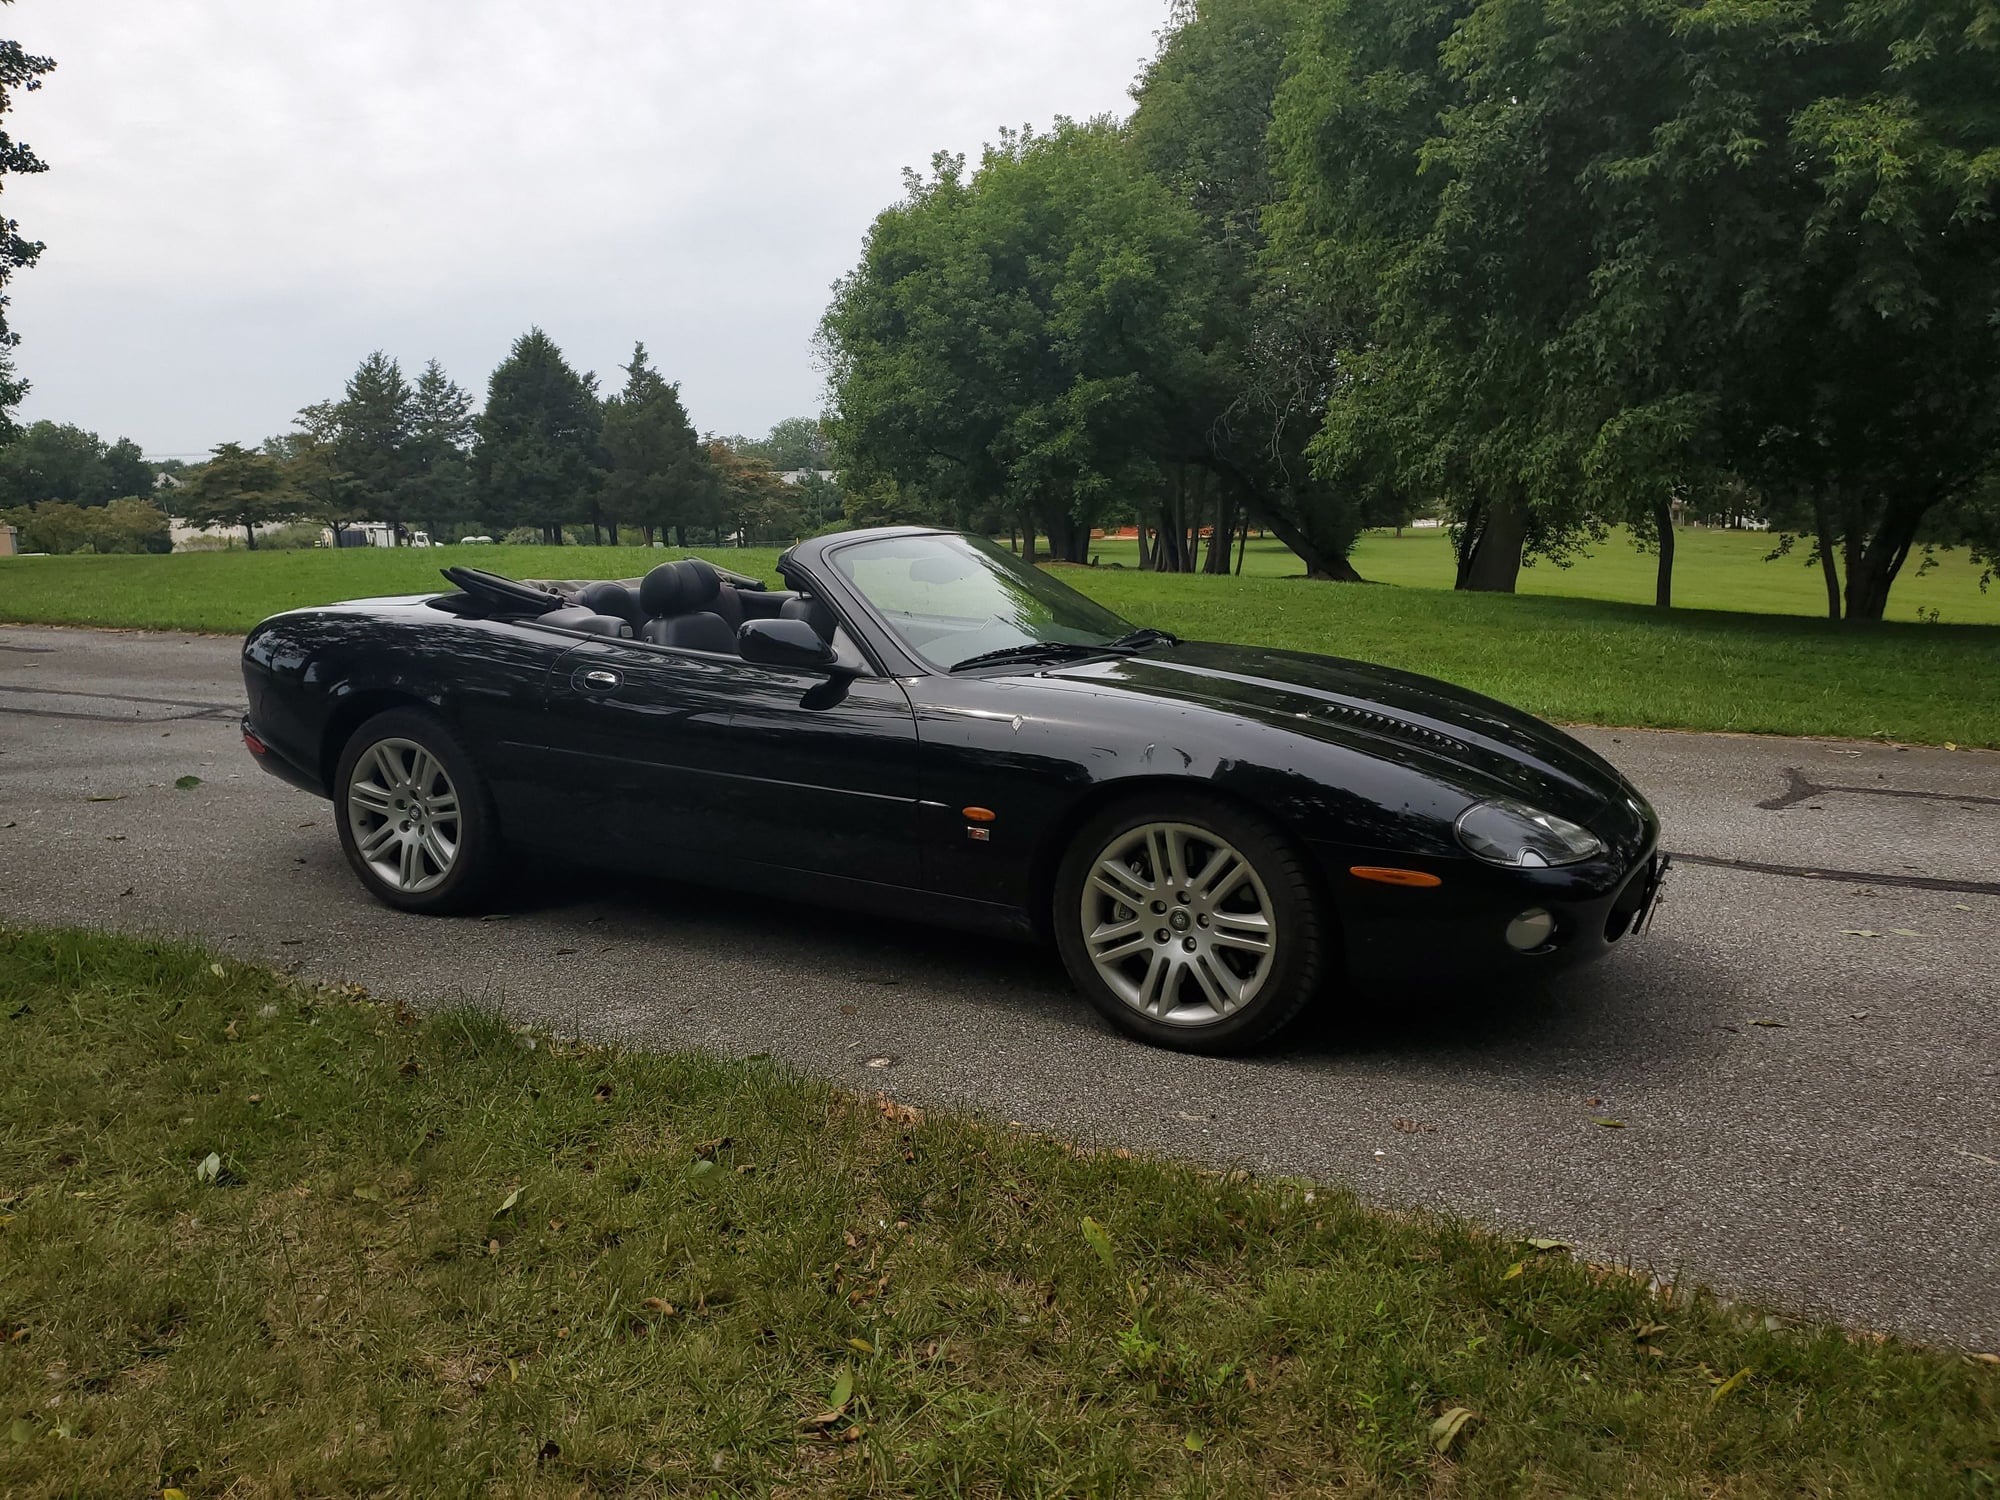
[1189, 923]
[416, 821]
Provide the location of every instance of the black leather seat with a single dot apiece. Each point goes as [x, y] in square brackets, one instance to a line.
[701, 631]
[582, 617]
[685, 607]
[613, 599]
[813, 611]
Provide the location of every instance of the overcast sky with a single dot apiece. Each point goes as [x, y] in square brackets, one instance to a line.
[247, 196]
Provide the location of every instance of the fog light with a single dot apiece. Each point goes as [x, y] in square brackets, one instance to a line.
[1531, 930]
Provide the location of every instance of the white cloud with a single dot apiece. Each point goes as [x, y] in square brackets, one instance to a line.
[246, 196]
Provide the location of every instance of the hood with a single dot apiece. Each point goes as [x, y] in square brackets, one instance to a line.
[1373, 708]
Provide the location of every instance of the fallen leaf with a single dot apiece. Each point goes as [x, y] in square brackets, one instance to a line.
[115, 797]
[1099, 1239]
[493, 1248]
[854, 1434]
[210, 1170]
[1447, 1429]
[1515, 1270]
[658, 1305]
[1906, 932]
[1858, 932]
[186, 783]
[878, 1062]
[508, 1202]
[1729, 1385]
[1547, 1244]
[368, 1193]
[216, 970]
[601, 1092]
[1608, 1123]
[861, 1346]
[1192, 1442]
[563, 952]
[843, 1389]
[1767, 1021]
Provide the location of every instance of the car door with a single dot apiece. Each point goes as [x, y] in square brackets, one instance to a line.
[673, 760]
[635, 752]
[825, 769]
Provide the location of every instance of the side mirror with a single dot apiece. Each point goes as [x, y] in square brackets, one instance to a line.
[782, 643]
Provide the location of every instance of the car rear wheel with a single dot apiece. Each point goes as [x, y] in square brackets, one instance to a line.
[1189, 924]
[415, 818]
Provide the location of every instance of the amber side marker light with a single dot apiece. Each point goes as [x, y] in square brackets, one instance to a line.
[979, 814]
[1390, 875]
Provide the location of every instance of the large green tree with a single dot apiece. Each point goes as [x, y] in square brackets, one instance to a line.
[238, 486]
[535, 462]
[62, 462]
[1597, 256]
[21, 72]
[375, 445]
[440, 449]
[1012, 334]
[658, 473]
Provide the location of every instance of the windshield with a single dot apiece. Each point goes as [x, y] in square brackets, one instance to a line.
[952, 598]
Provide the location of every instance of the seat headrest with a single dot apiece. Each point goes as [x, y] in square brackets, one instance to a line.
[612, 599]
[674, 588]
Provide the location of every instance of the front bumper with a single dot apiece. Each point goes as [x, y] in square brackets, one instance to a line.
[1457, 929]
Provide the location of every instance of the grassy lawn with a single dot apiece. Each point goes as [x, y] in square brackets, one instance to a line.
[1712, 570]
[258, 1238]
[1571, 659]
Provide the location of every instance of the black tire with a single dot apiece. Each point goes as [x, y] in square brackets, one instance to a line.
[476, 857]
[1286, 978]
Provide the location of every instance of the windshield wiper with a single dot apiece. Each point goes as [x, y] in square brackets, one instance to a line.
[1032, 651]
[1125, 645]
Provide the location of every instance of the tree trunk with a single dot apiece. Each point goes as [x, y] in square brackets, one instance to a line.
[1495, 563]
[1028, 543]
[1663, 583]
[250, 535]
[1219, 537]
[1145, 549]
[1829, 570]
[647, 532]
[1242, 545]
[1872, 570]
[612, 527]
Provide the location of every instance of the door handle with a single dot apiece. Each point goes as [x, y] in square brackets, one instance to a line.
[600, 681]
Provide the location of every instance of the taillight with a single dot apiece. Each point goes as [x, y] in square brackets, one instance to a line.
[251, 743]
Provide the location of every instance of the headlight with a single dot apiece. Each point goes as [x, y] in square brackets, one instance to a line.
[1505, 832]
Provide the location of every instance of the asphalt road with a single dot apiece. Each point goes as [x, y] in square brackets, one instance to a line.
[1808, 1069]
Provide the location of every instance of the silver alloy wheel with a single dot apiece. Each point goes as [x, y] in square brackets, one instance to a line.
[1178, 924]
[403, 812]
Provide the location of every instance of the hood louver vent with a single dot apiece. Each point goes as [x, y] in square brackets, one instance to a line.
[1391, 727]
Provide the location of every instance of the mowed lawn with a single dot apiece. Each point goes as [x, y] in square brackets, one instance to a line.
[1712, 570]
[263, 1238]
[1574, 660]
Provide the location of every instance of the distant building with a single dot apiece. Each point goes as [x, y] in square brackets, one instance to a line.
[798, 476]
[10, 541]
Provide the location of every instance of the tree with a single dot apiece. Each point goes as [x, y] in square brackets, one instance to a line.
[60, 461]
[1011, 336]
[792, 444]
[1252, 394]
[237, 487]
[375, 443]
[1598, 257]
[535, 459]
[753, 503]
[20, 71]
[310, 462]
[658, 473]
[439, 448]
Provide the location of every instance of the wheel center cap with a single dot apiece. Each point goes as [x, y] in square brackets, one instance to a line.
[1179, 921]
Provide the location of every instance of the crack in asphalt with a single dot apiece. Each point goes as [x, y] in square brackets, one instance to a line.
[1798, 787]
[1845, 877]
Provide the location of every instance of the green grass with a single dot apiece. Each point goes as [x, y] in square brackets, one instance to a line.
[1712, 570]
[1585, 661]
[260, 1238]
[1570, 659]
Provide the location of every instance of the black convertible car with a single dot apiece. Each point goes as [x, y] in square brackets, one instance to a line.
[921, 725]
